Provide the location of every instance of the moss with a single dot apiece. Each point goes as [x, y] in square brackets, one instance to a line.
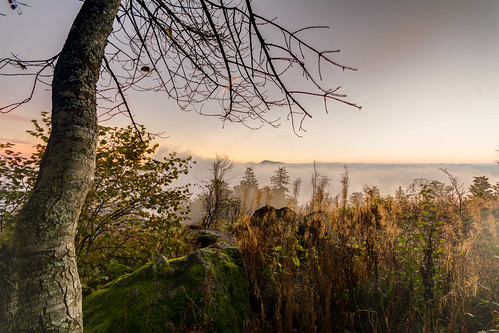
[206, 290]
[229, 298]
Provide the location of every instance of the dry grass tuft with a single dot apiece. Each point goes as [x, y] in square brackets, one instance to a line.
[414, 263]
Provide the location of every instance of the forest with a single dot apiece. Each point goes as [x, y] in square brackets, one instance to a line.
[422, 259]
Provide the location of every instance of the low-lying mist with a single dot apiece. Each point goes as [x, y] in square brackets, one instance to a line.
[386, 177]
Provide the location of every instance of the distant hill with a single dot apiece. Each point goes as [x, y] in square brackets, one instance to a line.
[267, 162]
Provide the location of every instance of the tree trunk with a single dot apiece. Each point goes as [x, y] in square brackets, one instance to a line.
[49, 290]
[8, 288]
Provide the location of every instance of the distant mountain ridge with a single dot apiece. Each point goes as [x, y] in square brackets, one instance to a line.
[268, 162]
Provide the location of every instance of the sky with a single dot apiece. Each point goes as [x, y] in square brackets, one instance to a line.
[427, 80]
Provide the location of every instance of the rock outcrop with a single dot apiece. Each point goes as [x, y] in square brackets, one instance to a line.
[209, 237]
[268, 216]
[206, 290]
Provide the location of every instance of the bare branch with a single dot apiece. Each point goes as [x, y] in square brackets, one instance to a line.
[123, 98]
[217, 58]
[34, 68]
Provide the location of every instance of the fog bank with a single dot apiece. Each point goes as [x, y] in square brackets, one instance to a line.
[386, 177]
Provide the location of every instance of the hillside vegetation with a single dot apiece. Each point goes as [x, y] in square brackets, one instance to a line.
[424, 259]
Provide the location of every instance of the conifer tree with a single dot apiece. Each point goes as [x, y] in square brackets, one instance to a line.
[481, 187]
[247, 191]
[279, 184]
[249, 180]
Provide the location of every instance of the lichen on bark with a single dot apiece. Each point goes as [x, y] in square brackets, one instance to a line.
[49, 291]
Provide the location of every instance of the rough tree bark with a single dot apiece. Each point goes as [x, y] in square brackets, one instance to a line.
[49, 291]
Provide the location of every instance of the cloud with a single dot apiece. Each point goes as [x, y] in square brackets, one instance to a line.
[12, 116]
[16, 141]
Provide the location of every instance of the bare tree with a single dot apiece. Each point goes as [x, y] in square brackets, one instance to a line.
[458, 189]
[201, 52]
[197, 52]
[296, 187]
[217, 197]
[345, 184]
[320, 197]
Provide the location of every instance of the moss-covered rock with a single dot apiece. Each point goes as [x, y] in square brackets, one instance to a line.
[204, 291]
[208, 237]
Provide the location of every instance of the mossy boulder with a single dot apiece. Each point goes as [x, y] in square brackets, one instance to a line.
[208, 237]
[204, 291]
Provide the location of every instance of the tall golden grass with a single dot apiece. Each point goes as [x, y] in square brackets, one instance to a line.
[416, 262]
